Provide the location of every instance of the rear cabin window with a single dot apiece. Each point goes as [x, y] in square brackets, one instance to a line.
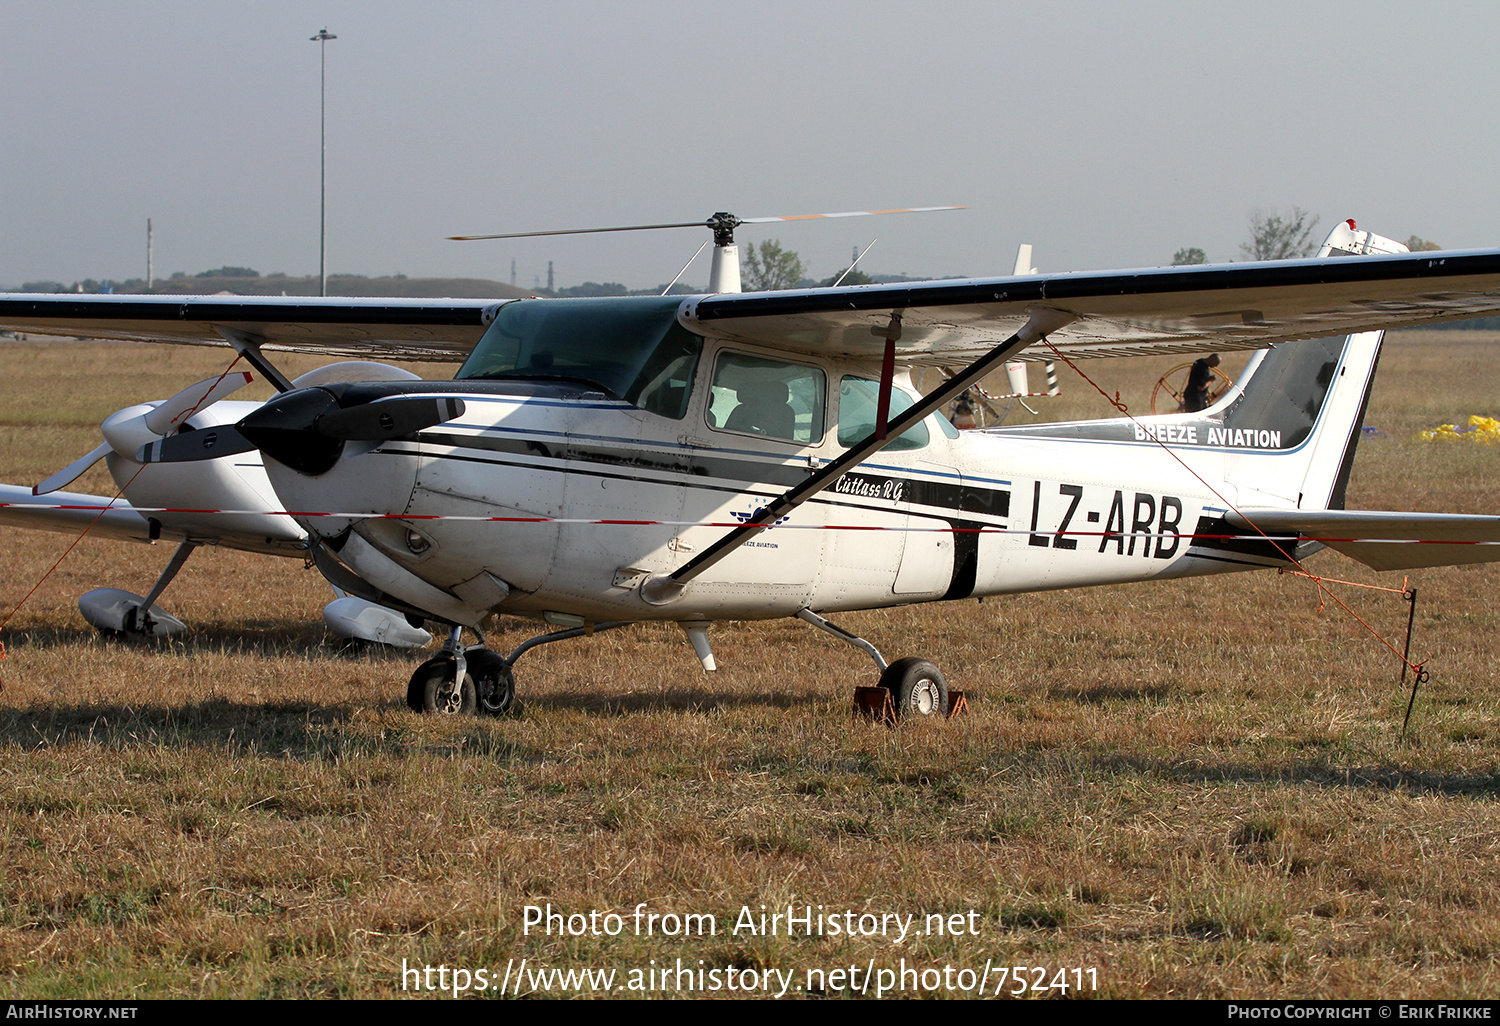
[633, 349]
[758, 396]
[858, 401]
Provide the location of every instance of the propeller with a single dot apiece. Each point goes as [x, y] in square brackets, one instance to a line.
[73, 471]
[722, 224]
[306, 429]
[125, 431]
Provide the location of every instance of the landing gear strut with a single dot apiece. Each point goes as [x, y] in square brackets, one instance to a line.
[434, 688]
[121, 612]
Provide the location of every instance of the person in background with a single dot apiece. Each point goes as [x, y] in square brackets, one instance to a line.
[1195, 396]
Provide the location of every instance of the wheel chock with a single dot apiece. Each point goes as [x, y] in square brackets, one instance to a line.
[874, 704]
[958, 705]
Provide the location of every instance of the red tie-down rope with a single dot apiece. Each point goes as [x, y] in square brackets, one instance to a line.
[102, 510]
[1301, 571]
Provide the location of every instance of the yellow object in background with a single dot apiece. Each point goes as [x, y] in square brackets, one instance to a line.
[1480, 429]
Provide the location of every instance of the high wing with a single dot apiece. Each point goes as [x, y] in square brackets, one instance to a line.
[441, 330]
[1164, 310]
[1386, 541]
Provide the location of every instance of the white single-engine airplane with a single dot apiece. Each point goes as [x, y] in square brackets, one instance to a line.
[732, 456]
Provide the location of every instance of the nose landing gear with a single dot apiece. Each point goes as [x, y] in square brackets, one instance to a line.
[462, 680]
[488, 679]
[435, 688]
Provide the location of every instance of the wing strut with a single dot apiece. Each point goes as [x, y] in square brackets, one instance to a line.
[246, 345]
[1042, 322]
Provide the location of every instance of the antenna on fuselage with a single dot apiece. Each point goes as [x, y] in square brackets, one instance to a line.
[724, 271]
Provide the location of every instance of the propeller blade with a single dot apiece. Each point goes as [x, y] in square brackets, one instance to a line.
[306, 430]
[192, 446]
[72, 472]
[285, 429]
[194, 399]
[389, 418]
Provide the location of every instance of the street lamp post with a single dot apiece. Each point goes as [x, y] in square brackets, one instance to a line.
[322, 39]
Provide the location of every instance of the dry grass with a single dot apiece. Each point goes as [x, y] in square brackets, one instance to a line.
[1198, 788]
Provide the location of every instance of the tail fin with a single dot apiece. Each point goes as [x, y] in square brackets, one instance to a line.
[1296, 422]
[1311, 397]
[1288, 431]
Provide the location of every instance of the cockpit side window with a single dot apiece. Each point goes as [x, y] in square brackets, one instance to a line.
[759, 396]
[858, 401]
[666, 380]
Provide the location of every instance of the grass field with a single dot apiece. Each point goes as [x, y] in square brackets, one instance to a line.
[1187, 789]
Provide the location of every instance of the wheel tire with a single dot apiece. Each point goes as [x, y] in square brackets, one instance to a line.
[494, 683]
[431, 690]
[917, 688]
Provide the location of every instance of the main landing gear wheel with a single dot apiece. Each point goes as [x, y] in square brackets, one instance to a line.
[917, 688]
[433, 690]
[494, 683]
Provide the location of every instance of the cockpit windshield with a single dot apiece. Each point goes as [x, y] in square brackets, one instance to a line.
[632, 349]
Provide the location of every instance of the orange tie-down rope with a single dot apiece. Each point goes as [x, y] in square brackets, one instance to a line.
[90, 526]
[1301, 571]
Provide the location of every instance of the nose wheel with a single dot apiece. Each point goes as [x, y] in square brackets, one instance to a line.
[434, 688]
[488, 687]
[494, 683]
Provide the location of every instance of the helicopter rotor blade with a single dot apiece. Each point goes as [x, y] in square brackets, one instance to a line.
[579, 231]
[845, 213]
[718, 221]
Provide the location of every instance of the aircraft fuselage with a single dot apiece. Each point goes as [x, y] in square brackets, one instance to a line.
[552, 497]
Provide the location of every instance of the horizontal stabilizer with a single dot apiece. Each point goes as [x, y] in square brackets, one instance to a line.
[1383, 540]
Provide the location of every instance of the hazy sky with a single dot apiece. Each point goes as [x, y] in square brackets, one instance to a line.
[1106, 134]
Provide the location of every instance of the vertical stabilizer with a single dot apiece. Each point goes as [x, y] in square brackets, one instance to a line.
[1303, 406]
[1313, 396]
